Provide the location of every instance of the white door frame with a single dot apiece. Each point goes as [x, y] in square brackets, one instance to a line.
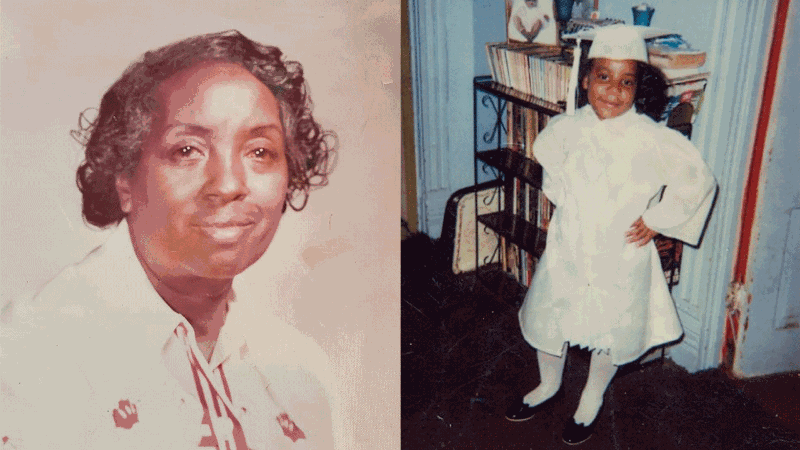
[737, 60]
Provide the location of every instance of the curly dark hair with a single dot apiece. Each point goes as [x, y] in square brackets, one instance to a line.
[651, 88]
[112, 141]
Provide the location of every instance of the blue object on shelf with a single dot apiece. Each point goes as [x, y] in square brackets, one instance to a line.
[643, 14]
[563, 10]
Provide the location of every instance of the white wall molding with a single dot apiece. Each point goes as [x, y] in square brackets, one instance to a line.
[424, 61]
[725, 133]
[442, 66]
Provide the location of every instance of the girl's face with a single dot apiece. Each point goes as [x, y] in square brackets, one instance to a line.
[611, 86]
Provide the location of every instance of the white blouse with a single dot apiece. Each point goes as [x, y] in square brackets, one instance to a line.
[94, 361]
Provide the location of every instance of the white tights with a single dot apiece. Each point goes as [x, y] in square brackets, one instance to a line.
[551, 370]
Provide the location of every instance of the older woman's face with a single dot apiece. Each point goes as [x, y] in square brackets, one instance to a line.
[207, 195]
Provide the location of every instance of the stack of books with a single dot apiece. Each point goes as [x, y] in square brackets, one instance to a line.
[671, 51]
[526, 201]
[543, 71]
[533, 69]
[685, 86]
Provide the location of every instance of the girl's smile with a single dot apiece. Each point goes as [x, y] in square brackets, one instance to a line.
[611, 86]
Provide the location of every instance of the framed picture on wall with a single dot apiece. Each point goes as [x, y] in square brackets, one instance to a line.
[542, 21]
[531, 21]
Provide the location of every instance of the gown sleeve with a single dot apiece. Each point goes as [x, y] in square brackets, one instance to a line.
[689, 192]
[549, 150]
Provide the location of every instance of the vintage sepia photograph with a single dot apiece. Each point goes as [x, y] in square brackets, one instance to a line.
[196, 240]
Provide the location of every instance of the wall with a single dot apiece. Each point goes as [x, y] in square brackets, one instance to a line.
[442, 57]
[332, 270]
[691, 18]
[489, 25]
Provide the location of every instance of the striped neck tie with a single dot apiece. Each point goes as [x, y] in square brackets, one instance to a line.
[218, 411]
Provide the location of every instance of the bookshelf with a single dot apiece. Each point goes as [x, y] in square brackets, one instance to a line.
[504, 153]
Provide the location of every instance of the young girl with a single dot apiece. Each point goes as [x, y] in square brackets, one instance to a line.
[599, 284]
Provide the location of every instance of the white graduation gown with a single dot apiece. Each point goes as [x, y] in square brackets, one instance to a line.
[591, 288]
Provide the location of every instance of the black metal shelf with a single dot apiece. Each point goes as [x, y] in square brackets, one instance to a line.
[516, 229]
[485, 84]
[511, 167]
[513, 164]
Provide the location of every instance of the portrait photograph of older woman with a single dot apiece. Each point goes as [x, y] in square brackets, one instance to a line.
[196, 251]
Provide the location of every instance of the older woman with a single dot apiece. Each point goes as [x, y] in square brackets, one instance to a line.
[196, 152]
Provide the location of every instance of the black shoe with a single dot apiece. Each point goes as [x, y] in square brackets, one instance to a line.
[575, 433]
[519, 411]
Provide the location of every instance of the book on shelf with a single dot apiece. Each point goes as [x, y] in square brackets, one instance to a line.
[525, 201]
[512, 260]
[533, 69]
[520, 202]
[531, 131]
[503, 255]
[516, 139]
[684, 86]
[530, 268]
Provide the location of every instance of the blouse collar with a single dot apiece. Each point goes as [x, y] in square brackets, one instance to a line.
[135, 295]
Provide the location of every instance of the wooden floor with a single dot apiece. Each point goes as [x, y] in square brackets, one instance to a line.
[464, 361]
[779, 395]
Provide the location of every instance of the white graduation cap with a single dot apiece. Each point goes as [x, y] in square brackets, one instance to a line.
[612, 42]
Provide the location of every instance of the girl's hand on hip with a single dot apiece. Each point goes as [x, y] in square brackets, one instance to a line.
[639, 233]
